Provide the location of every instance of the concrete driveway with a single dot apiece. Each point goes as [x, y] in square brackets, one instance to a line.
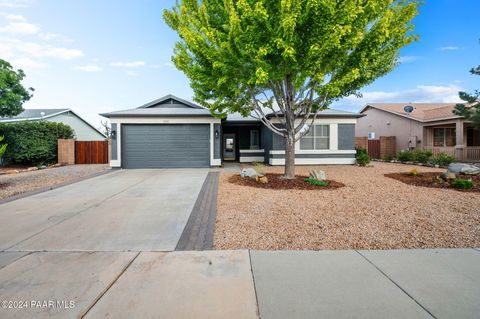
[127, 210]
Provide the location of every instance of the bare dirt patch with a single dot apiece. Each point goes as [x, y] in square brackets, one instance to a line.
[430, 179]
[275, 182]
[370, 212]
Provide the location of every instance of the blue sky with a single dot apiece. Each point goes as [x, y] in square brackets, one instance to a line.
[97, 56]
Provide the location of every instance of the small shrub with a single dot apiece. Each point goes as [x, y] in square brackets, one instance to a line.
[405, 156]
[413, 172]
[316, 182]
[362, 157]
[421, 156]
[443, 159]
[360, 151]
[462, 183]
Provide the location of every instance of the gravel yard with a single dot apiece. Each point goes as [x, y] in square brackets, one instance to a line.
[14, 184]
[370, 212]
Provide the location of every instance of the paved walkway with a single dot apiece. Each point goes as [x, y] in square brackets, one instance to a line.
[431, 283]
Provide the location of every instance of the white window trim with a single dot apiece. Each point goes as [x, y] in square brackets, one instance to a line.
[258, 139]
[333, 140]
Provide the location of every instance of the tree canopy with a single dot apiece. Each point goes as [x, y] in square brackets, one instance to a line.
[12, 92]
[290, 56]
[471, 108]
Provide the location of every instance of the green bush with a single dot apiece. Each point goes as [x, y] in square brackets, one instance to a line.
[360, 151]
[33, 143]
[388, 158]
[421, 156]
[363, 159]
[462, 183]
[316, 182]
[405, 156]
[443, 159]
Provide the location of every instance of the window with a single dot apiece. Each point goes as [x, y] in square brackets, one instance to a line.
[318, 138]
[371, 135]
[254, 139]
[444, 136]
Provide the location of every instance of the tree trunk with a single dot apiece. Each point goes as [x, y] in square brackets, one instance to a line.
[290, 156]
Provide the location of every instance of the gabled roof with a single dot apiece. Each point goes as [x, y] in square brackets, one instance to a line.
[34, 115]
[422, 112]
[42, 114]
[328, 113]
[168, 106]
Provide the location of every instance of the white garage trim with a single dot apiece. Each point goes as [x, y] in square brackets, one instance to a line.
[314, 161]
[164, 120]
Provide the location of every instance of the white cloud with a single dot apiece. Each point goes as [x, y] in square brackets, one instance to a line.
[13, 17]
[15, 3]
[132, 64]
[409, 58]
[27, 63]
[420, 94]
[48, 36]
[88, 68]
[20, 28]
[132, 73]
[449, 48]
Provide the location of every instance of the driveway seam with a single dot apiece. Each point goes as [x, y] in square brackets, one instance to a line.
[254, 284]
[50, 188]
[15, 260]
[396, 284]
[477, 249]
[109, 286]
[79, 212]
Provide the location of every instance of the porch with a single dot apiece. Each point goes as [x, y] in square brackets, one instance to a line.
[242, 141]
[459, 139]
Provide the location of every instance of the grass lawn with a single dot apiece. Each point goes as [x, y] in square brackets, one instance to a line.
[370, 212]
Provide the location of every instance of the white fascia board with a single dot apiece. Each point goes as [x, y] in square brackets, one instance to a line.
[314, 161]
[164, 120]
[250, 159]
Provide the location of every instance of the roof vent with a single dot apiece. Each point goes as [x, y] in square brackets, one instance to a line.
[408, 108]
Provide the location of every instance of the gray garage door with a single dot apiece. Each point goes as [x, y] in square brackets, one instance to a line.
[165, 145]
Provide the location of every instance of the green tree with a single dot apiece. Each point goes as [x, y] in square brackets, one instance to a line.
[12, 92]
[289, 57]
[471, 108]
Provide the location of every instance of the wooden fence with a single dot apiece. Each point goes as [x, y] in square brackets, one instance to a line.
[91, 152]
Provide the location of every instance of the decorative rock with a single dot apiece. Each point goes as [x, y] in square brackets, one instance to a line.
[42, 167]
[32, 169]
[249, 172]
[12, 171]
[462, 168]
[261, 179]
[448, 176]
[318, 175]
[437, 166]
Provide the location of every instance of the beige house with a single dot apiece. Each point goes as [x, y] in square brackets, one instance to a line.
[431, 126]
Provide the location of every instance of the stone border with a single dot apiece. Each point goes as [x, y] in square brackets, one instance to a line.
[52, 187]
[198, 232]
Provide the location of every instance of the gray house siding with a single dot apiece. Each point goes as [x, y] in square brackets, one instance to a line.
[114, 142]
[346, 136]
[217, 144]
[83, 131]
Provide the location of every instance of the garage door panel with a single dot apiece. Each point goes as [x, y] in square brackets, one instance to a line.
[165, 145]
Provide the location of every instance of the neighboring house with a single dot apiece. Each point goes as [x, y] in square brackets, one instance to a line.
[431, 126]
[172, 132]
[84, 131]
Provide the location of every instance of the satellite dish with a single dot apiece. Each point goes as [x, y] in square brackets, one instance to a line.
[42, 114]
[408, 108]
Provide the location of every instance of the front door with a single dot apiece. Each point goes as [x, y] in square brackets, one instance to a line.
[229, 147]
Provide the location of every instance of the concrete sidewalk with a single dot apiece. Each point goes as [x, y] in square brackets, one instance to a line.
[430, 283]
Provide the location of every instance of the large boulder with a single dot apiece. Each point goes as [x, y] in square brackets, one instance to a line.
[462, 168]
[249, 172]
[318, 175]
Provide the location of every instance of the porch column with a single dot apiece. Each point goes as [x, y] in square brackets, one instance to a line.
[459, 140]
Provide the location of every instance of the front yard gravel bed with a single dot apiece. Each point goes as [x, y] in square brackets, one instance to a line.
[370, 212]
[15, 184]
[430, 179]
[275, 181]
